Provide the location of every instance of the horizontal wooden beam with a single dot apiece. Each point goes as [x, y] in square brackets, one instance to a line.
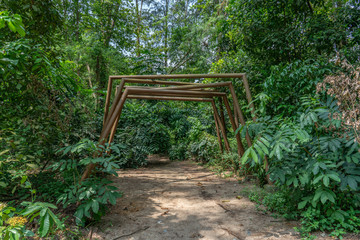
[170, 98]
[181, 76]
[150, 81]
[174, 93]
[201, 85]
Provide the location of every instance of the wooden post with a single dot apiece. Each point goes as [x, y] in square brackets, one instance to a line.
[222, 116]
[238, 111]
[253, 115]
[222, 127]
[217, 130]
[113, 130]
[182, 93]
[240, 147]
[116, 100]
[107, 103]
[106, 131]
[249, 98]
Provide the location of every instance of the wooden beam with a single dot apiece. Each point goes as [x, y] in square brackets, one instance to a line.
[107, 102]
[249, 97]
[170, 98]
[157, 92]
[204, 85]
[158, 82]
[181, 76]
[222, 127]
[240, 146]
[106, 131]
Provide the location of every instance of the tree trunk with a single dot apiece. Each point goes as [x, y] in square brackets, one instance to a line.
[166, 52]
[138, 27]
[91, 85]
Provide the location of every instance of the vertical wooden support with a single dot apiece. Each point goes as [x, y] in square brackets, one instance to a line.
[218, 131]
[253, 115]
[249, 98]
[221, 108]
[222, 127]
[238, 111]
[106, 130]
[107, 103]
[112, 115]
[240, 146]
[116, 101]
[113, 130]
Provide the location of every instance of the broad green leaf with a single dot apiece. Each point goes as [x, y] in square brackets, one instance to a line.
[95, 206]
[326, 180]
[44, 225]
[254, 155]
[302, 204]
[352, 182]
[334, 177]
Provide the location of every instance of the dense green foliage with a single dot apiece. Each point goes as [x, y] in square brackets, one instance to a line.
[301, 59]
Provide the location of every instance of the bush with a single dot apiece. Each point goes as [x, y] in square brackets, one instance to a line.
[315, 159]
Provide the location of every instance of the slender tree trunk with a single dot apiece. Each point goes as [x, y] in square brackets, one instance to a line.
[77, 13]
[91, 85]
[138, 26]
[166, 52]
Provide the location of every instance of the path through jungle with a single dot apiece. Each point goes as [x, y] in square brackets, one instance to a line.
[181, 200]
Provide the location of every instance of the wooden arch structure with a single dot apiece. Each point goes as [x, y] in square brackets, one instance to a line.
[176, 91]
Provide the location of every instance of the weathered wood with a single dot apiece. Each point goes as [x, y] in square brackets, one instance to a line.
[184, 91]
[113, 130]
[240, 146]
[249, 97]
[107, 102]
[237, 110]
[205, 85]
[181, 76]
[217, 129]
[170, 98]
[106, 131]
[116, 100]
[158, 82]
[221, 108]
[222, 127]
[189, 93]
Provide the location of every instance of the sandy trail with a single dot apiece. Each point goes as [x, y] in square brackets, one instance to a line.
[181, 200]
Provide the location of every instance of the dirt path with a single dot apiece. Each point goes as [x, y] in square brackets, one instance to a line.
[180, 200]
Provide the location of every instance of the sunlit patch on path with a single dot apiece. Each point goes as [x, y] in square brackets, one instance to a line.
[181, 200]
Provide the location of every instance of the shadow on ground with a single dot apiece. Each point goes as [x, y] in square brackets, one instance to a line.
[181, 200]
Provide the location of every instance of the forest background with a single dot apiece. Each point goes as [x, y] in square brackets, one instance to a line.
[301, 58]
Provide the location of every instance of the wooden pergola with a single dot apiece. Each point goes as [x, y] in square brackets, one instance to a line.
[176, 91]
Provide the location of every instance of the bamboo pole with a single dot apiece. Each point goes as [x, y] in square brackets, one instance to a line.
[205, 85]
[116, 100]
[249, 97]
[158, 82]
[181, 76]
[222, 127]
[170, 98]
[253, 115]
[221, 108]
[217, 130]
[237, 110]
[240, 146]
[111, 117]
[106, 131]
[187, 93]
[108, 96]
[113, 130]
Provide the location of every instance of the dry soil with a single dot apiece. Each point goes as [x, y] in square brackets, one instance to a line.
[181, 200]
